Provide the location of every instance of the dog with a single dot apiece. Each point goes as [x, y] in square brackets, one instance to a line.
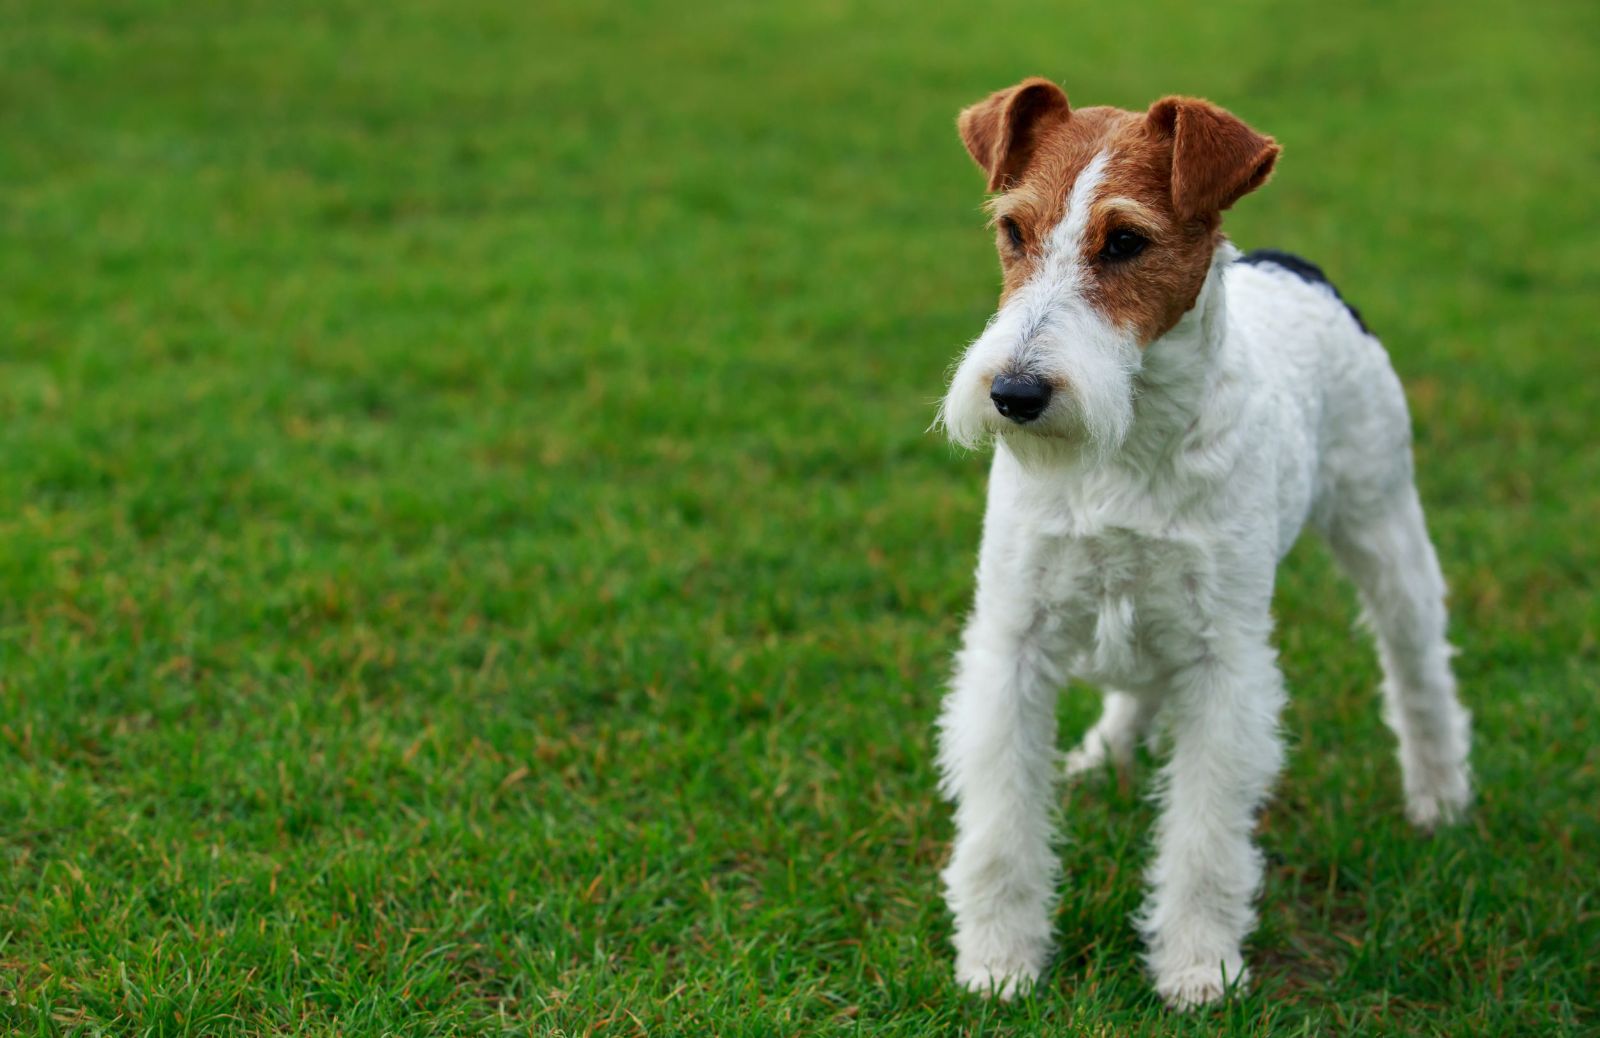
[1166, 415]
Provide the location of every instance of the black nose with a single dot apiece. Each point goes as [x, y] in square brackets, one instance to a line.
[1021, 398]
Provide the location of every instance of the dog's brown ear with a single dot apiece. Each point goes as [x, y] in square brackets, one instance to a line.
[1216, 158]
[1002, 130]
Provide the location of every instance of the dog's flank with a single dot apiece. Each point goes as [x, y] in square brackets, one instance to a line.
[1165, 419]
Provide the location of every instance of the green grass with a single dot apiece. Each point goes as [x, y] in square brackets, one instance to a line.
[472, 561]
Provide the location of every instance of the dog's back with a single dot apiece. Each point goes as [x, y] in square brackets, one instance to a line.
[1333, 389]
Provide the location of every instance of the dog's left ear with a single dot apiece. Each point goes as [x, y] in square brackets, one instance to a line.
[1216, 158]
[1002, 131]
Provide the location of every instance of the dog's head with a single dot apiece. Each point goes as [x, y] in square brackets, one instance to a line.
[1107, 223]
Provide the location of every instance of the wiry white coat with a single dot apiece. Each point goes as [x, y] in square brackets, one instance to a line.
[1142, 560]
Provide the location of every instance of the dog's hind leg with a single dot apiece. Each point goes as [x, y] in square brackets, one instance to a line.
[1122, 720]
[1386, 551]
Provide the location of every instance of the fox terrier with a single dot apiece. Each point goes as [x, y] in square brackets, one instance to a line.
[1166, 414]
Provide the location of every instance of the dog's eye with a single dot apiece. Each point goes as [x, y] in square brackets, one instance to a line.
[1013, 232]
[1123, 244]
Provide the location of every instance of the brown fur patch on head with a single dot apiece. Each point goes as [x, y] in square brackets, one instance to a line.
[1148, 292]
[1024, 215]
[1169, 174]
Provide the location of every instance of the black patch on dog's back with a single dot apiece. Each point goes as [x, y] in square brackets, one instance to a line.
[1303, 269]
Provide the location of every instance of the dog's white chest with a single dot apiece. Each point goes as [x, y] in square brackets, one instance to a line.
[1130, 604]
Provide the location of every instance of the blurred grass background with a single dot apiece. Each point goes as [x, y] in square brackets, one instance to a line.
[472, 561]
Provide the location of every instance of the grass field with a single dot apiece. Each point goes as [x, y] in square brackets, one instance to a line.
[472, 561]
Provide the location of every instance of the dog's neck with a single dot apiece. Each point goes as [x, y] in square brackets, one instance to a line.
[1188, 376]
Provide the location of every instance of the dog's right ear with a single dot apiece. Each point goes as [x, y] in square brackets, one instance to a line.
[1002, 130]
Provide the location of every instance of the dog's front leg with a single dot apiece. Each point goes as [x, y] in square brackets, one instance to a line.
[1225, 753]
[997, 756]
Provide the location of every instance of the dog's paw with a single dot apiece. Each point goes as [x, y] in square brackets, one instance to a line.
[1085, 762]
[1001, 982]
[1428, 811]
[1001, 969]
[1440, 802]
[1200, 985]
[1089, 761]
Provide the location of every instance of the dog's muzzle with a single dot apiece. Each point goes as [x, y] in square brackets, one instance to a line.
[1021, 398]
